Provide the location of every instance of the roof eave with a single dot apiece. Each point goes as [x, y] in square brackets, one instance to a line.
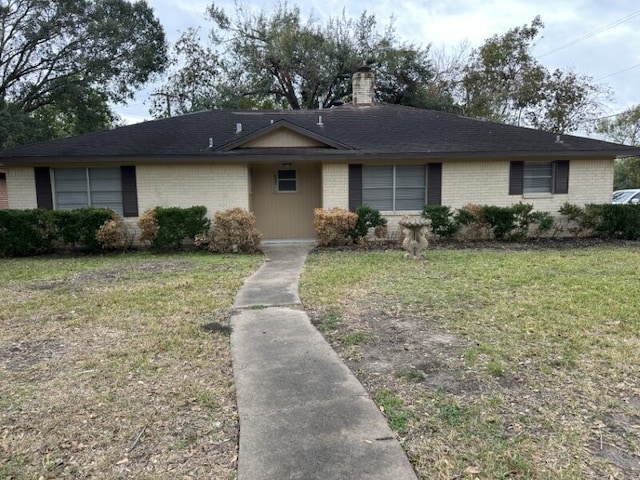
[315, 154]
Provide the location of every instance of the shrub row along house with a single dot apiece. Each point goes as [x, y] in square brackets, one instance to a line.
[281, 165]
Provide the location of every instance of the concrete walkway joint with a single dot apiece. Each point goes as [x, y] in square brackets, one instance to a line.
[303, 415]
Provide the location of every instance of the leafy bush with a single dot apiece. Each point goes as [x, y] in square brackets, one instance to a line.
[333, 225]
[79, 227]
[513, 223]
[234, 230]
[25, 232]
[603, 220]
[169, 227]
[114, 234]
[619, 221]
[443, 221]
[32, 232]
[367, 218]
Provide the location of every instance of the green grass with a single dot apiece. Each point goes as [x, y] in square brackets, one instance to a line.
[118, 366]
[393, 408]
[547, 346]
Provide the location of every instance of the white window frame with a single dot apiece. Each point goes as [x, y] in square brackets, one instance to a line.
[294, 180]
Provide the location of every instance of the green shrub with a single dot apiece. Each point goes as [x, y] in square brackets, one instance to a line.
[78, 228]
[32, 232]
[333, 225]
[616, 221]
[603, 220]
[443, 221]
[367, 218]
[575, 217]
[25, 232]
[502, 220]
[169, 227]
[514, 223]
[234, 231]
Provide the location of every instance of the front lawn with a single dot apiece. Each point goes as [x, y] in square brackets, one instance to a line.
[493, 363]
[118, 366]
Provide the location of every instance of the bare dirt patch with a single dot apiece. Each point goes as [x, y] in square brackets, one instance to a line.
[469, 410]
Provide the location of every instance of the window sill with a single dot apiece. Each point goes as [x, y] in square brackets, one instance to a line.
[537, 195]
[401, 212]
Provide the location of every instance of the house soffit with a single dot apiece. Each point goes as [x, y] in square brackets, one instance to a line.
[301, 138]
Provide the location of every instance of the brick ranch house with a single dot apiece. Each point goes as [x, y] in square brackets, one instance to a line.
[283, 164]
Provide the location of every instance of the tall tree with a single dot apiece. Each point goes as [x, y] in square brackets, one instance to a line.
[504, 82]
[55, 55]
[624, 128]
[278, 59]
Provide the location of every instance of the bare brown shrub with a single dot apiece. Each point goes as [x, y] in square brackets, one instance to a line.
[234, 230]
[148, 225]
[114, 234]
[332, 226]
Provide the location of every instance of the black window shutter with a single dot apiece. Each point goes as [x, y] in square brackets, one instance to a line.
[44, 195]
[561, 176]
[516, 178]
[129, 191]
[355, 187]
[434, 184]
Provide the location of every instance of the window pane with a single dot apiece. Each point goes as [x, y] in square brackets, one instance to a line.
[71, 188]
[106, 188]
[377, 186]
[538, 177]
[410, 187]
[287, 181]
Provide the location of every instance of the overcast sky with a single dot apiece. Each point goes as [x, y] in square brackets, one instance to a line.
[599, 38]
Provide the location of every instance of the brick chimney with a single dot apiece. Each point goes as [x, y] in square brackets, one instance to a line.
[362, 86]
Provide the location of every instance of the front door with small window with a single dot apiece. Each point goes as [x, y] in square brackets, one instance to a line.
[283, 198]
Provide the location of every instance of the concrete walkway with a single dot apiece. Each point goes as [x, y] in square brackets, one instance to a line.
[303, 415]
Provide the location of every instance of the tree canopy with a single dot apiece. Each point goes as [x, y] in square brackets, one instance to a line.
[277, 59]
[504, 82]
[62, 61]
[624, 128]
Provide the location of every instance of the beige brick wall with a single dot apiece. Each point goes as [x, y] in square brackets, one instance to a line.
[21, 188]
[217, 187]
[487, 183]
[335, 185]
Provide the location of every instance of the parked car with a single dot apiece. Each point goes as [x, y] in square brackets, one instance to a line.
[626, 196]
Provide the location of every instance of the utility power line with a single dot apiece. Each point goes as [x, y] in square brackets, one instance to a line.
[618, 72]
[593, 33]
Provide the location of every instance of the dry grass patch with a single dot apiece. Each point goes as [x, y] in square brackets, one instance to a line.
[118, 366]
[494, 364]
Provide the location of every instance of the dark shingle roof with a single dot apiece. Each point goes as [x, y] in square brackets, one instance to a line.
[372, 131]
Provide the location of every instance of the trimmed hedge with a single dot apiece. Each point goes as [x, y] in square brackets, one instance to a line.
[37, 231]
[25, 232]
[78, 228]
[169, 227]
